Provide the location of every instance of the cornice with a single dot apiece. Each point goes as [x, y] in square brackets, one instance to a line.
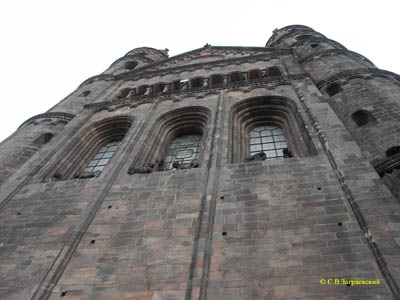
[176, 96]
[197, 66]
[50, 115]
[356, 72]
[209, 47]
[329, 52]
[144, 71]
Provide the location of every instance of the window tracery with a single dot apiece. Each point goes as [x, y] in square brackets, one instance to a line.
[267, 128]
[90, 150]
[102, 157]
[176, 141]
[183, 149]
[267, 139]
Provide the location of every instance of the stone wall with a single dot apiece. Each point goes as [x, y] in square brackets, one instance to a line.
[268, 229]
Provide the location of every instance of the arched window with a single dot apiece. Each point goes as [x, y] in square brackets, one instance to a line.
[102, 157]
[362, 117]
[267, 139]
[176, 141]
[43, 139]
[85, 93]
[333, 89]
[267, 128]
[130, 65]
[183, 149]
[91, 149]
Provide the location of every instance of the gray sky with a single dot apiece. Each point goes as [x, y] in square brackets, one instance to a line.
[50, 47]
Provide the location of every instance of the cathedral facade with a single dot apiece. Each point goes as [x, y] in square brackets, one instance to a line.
[230, 173]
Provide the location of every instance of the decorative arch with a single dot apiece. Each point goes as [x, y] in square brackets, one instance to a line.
[87, 144]
[191, 120]
[273, 111]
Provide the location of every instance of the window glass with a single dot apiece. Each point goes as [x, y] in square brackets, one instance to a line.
[269, 139]
[183, 149]
[102, 157]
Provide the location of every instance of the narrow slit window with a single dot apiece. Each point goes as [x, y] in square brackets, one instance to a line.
[267, 139]
[183, 149]
[102, 157]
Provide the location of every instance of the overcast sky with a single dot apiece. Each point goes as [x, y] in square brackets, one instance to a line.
[49, 47]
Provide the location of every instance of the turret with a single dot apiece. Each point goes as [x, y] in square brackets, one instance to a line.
[365, 98]
[136, 58]
[319, 56]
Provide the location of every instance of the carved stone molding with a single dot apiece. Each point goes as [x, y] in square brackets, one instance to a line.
[180, 166]
[256, 157]
[331, 52]
[148, 168]
[368, 72]
[148, 72]
[270, 83]
[54, 117]
[85, 175]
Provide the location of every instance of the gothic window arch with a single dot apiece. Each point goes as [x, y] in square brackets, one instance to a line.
[267, 117]
[92, 149]
[176, 137]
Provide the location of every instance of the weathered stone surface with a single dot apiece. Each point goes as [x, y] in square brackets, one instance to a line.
[219, 228]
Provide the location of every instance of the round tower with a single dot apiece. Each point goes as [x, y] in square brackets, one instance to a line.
[365, 98]
[136, 58]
